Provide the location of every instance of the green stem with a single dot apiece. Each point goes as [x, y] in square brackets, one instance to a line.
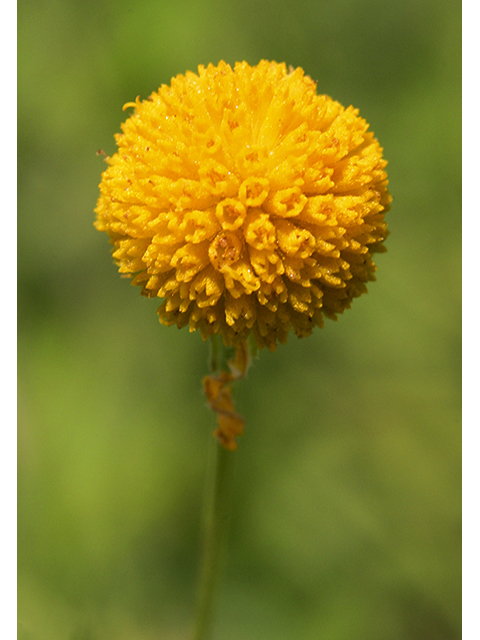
[215, 353]
[217, 519]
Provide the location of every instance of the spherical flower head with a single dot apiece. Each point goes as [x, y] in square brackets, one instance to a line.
[246, 202]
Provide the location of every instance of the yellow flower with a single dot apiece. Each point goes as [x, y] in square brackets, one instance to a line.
[246, 201]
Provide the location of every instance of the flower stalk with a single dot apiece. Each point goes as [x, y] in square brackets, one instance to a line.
[218, 391]
[218, 511]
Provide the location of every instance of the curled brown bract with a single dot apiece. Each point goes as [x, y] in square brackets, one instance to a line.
[218, 391]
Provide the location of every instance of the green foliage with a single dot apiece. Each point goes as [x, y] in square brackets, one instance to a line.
[346, 520]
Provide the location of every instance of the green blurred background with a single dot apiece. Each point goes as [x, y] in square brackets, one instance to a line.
[346, 521]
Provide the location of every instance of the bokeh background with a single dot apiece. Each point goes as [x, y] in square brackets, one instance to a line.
[346, 518]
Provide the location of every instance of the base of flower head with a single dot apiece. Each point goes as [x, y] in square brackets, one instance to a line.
[301, 309]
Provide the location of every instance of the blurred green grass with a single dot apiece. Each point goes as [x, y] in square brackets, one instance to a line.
[346, 522]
